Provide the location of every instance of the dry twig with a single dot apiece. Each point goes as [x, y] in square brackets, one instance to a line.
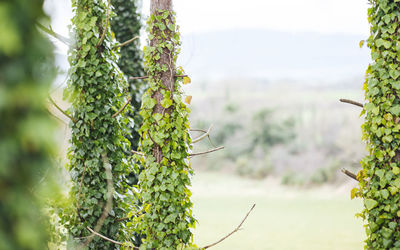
[52, 33]
[206, 134]
[352, 102]
[137, 153]
[349, 174]
[103, 35]
[122, 108]
[126, 42]
[60, 109]
[234, 231]
[207, 152]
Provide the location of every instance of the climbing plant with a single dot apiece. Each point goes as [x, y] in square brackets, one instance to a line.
[165, 140]
[97, 156]
[26, 141]
[127, 25]
[379, 180]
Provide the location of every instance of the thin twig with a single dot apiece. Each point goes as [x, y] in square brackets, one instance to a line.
[137, 153]
[62, 111]
[103, 35]
[207, 152]
[126, 42]
[352, 102]
[80, 185]
[109, 203]
[122, 108]
[234, 231]
[349, 174]
[206, 134]
[51, 32]
[108, 239]
[145, 77]
[56, 117]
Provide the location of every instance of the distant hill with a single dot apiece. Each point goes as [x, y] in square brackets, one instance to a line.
[264, 54]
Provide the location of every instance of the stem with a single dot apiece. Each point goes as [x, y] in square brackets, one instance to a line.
[234, 231]
[62, 111]
[352, 102]
[349, 174]
[126, 42]
[103, 35]
[207, 152]
[50, 32]
[122, 108]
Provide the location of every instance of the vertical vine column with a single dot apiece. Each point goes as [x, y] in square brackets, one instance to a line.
[380, 178]
[165, 138]
[126, 25]
[97, 161]
[26, 140]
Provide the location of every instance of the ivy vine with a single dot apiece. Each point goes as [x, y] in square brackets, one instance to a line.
[380, 177]
[26, 141]
[98, 164]
[126, 25]
[166, 143]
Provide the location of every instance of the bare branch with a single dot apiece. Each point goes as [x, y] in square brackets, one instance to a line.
[349, 174]
[126, 42]
[352, 102]
[50, 32]
[137, 153]
[104, 237]
[206, 134]
[145, 77]
[207, 152]
[56, 117]
[108, 206]
[234, 231]
[103, 35]
[108, 239]
[62, 111]
[122, 108]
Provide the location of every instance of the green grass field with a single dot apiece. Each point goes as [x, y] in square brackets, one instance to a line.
[284, 218]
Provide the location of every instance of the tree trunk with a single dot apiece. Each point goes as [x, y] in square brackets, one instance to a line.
[165, 78]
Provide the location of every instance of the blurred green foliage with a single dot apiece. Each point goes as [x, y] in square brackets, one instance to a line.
[126, 24]
[26, 129]
[96, 89]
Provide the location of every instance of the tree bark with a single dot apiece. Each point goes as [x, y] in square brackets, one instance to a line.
[160, 5]
[165, 78]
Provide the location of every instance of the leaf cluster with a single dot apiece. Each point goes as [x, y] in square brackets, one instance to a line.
[380, 177]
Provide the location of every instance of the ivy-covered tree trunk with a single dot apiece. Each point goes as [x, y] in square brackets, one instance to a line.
[97, 161]
[165, 138]
[380, 177]
[127, 25]
[26, 141]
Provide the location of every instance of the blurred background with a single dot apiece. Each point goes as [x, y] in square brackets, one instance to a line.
[268, 75]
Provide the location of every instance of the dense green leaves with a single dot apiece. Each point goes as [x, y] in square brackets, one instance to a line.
[127, 24]
[96, 90]
[379, 179]
[26, 130]
[165, 142]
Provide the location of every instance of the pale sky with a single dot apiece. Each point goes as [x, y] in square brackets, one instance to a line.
[322, 16]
